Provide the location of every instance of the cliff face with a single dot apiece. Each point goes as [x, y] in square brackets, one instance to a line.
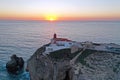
[98, 66]
[40, 69]
[91, 65]
[43, 67]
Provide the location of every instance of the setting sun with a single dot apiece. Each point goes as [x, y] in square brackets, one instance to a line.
[51, 17]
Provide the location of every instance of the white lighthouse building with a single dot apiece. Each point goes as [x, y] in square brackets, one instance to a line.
[58, 43]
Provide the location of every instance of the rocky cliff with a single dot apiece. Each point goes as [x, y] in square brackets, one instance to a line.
[90, 65]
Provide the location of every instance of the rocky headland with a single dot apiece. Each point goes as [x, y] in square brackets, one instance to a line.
[64, 59]
[91, 64]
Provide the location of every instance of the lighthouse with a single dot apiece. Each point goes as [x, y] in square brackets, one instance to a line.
[53, 41]
[55, 36]
[58, 44]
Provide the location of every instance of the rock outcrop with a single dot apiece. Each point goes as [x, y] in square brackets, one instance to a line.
[90, 65]
[15, 65]
[46, 67]
[99, 66]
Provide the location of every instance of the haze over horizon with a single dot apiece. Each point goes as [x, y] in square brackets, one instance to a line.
[60, 9]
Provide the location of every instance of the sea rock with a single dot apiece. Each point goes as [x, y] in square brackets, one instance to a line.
[15, 64]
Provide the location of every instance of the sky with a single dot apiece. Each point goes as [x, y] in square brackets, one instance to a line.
[60, 9]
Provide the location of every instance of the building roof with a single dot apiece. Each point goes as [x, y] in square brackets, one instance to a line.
[62, 39]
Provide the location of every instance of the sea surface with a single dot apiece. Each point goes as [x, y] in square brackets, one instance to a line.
[23, 38]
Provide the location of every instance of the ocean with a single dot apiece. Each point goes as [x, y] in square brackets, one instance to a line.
[23, 38]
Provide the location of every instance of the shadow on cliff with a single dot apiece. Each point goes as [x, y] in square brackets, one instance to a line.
[67, 77]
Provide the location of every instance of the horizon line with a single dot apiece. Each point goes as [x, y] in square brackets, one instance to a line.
[60, 20]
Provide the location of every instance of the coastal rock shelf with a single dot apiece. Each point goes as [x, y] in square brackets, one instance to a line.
[84, 61]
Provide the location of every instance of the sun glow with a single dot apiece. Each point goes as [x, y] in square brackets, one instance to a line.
[51, 18]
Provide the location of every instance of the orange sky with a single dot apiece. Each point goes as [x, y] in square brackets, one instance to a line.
[72, 16]
[60, 10]
[59, 17]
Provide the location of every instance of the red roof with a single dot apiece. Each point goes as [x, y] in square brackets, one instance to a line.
[62, 39]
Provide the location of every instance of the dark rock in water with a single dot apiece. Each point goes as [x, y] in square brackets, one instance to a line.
[15, 65]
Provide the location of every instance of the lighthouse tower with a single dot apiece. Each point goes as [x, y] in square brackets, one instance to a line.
[55, 36]
[53, 41]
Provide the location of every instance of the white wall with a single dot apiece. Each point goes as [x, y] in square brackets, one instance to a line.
[54, 48]
[59, 45]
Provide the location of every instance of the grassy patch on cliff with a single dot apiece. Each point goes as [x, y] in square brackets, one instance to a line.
[60, 54]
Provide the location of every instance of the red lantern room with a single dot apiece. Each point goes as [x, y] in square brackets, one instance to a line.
[55, 36]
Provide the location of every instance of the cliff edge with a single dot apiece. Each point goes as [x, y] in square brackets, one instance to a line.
[89, 65]
[64, 59]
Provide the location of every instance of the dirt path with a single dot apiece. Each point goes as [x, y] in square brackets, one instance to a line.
[75, 58]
